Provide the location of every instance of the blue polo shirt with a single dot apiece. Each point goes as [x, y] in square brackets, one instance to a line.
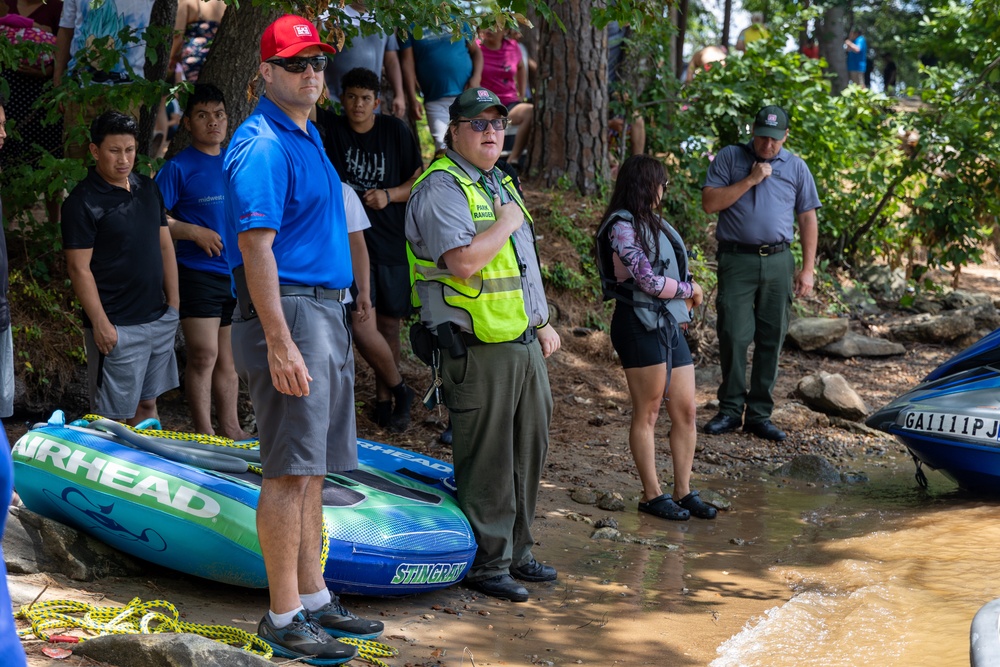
[278, 177]
[766, 212]
[858, 62]
[192, 190]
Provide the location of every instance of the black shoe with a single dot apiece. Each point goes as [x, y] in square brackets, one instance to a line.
[399, 421]
[698, 507]
[721, 423]
[304, 639]
[534, 571]
[339, 622]
[382, 413]
[501, 586]
[766, 430]
[446, 435]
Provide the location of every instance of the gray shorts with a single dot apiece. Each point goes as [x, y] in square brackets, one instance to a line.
[308, 435]
[141, 366]
[6, 372]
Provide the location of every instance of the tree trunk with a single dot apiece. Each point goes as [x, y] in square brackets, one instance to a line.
[232, 63]
[682, 22]
[830, 34]
[161, 17]
[571, 113]
[727, 18]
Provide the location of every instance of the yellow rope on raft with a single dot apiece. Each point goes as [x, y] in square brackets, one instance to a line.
[191, 437]
[157, 617]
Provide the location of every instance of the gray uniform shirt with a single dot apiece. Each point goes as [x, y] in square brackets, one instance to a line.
[438, 220]
[766, 213]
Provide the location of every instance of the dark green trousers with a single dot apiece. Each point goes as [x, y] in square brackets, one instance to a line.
[501, 405]
[753, 304]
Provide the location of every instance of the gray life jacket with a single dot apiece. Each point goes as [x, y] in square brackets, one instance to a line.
[670, 261]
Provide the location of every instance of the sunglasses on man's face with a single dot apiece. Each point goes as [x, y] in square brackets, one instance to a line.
[297, 65]
[480, 124]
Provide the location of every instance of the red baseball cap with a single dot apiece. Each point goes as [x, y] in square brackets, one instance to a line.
[289, 35]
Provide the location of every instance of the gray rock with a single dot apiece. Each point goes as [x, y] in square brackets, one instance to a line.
[832, 394]
[884, 282]
[812, 333]
[855, 427]
[853, 477]
[933, 328]
[715, 499]
[810, 468]
[611, 501]
[584, 496]
[606, 522]
[923, 304]
[857, 297]
[984, 314]
[856, 345]
[166, 650]
[606, 533]
[796, 417]
[958, 299]
[33, 544]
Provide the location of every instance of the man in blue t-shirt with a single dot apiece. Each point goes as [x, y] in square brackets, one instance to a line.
[286, 243]
[194, 197]
[857, 57]
[443, 68]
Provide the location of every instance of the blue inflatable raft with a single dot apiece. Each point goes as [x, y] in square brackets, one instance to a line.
[392, 526]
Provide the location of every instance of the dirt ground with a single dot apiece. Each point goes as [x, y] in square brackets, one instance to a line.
[670, 600]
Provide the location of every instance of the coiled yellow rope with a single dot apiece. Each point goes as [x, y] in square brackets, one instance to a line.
[156, 617]
[192, 437]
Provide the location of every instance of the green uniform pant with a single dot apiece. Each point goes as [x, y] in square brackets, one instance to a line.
[753, 305]
[501, 405]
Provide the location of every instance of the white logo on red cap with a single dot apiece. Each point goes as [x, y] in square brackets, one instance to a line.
[303, 30]
[484, 95]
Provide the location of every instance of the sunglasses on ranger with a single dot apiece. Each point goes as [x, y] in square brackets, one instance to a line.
[297, 64]
[480, 124]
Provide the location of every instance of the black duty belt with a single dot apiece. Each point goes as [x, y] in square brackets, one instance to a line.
[528, 336]
[319, 293]
[750, 249]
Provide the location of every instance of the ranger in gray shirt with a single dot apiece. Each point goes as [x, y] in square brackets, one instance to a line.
[475, 270]
[759, 191]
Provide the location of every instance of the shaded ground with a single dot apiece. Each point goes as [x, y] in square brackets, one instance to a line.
[621, 604]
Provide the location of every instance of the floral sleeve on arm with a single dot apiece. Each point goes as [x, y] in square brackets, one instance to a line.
[626, 245]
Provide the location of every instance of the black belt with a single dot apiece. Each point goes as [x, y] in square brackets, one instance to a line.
[319, 293]
[748, 249]
[528, 336]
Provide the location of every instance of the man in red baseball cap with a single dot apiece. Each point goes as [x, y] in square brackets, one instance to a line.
[286, 244]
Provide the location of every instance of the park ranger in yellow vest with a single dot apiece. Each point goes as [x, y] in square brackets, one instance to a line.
[476, 277]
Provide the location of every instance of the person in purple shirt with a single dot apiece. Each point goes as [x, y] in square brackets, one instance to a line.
[286, 244]
[194, 197]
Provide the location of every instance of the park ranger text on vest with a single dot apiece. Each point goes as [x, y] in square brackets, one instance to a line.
[476, 277]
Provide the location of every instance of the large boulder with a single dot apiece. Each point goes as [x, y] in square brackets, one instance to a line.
[166, 650]
[793, 416]
[959, 299]
[943, 328]
[832, 394]
[812, 333]
[33, 544]
[856, 345]
[884, 282]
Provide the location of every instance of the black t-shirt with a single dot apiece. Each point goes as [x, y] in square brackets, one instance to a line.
[123, 228]
[383, 157]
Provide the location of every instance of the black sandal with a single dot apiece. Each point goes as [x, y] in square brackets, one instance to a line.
[698, 507]
[665, 508]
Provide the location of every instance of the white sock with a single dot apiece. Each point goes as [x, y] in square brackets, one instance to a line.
[282, 620]
[314, 601]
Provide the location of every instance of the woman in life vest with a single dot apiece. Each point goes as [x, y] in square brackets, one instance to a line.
[643, 265]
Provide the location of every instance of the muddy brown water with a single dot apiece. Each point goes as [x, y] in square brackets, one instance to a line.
[873, 573]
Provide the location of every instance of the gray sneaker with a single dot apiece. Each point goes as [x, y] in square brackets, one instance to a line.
[304, 639]
[339, 622]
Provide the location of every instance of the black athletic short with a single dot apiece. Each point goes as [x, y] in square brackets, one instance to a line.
[205, 294]
[638, 348]
[391, 290]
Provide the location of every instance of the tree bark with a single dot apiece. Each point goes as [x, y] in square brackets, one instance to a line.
[727, 18]
[232, 63]
[682, 21]
[571, 112]
[161, 16]
[830, 34]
